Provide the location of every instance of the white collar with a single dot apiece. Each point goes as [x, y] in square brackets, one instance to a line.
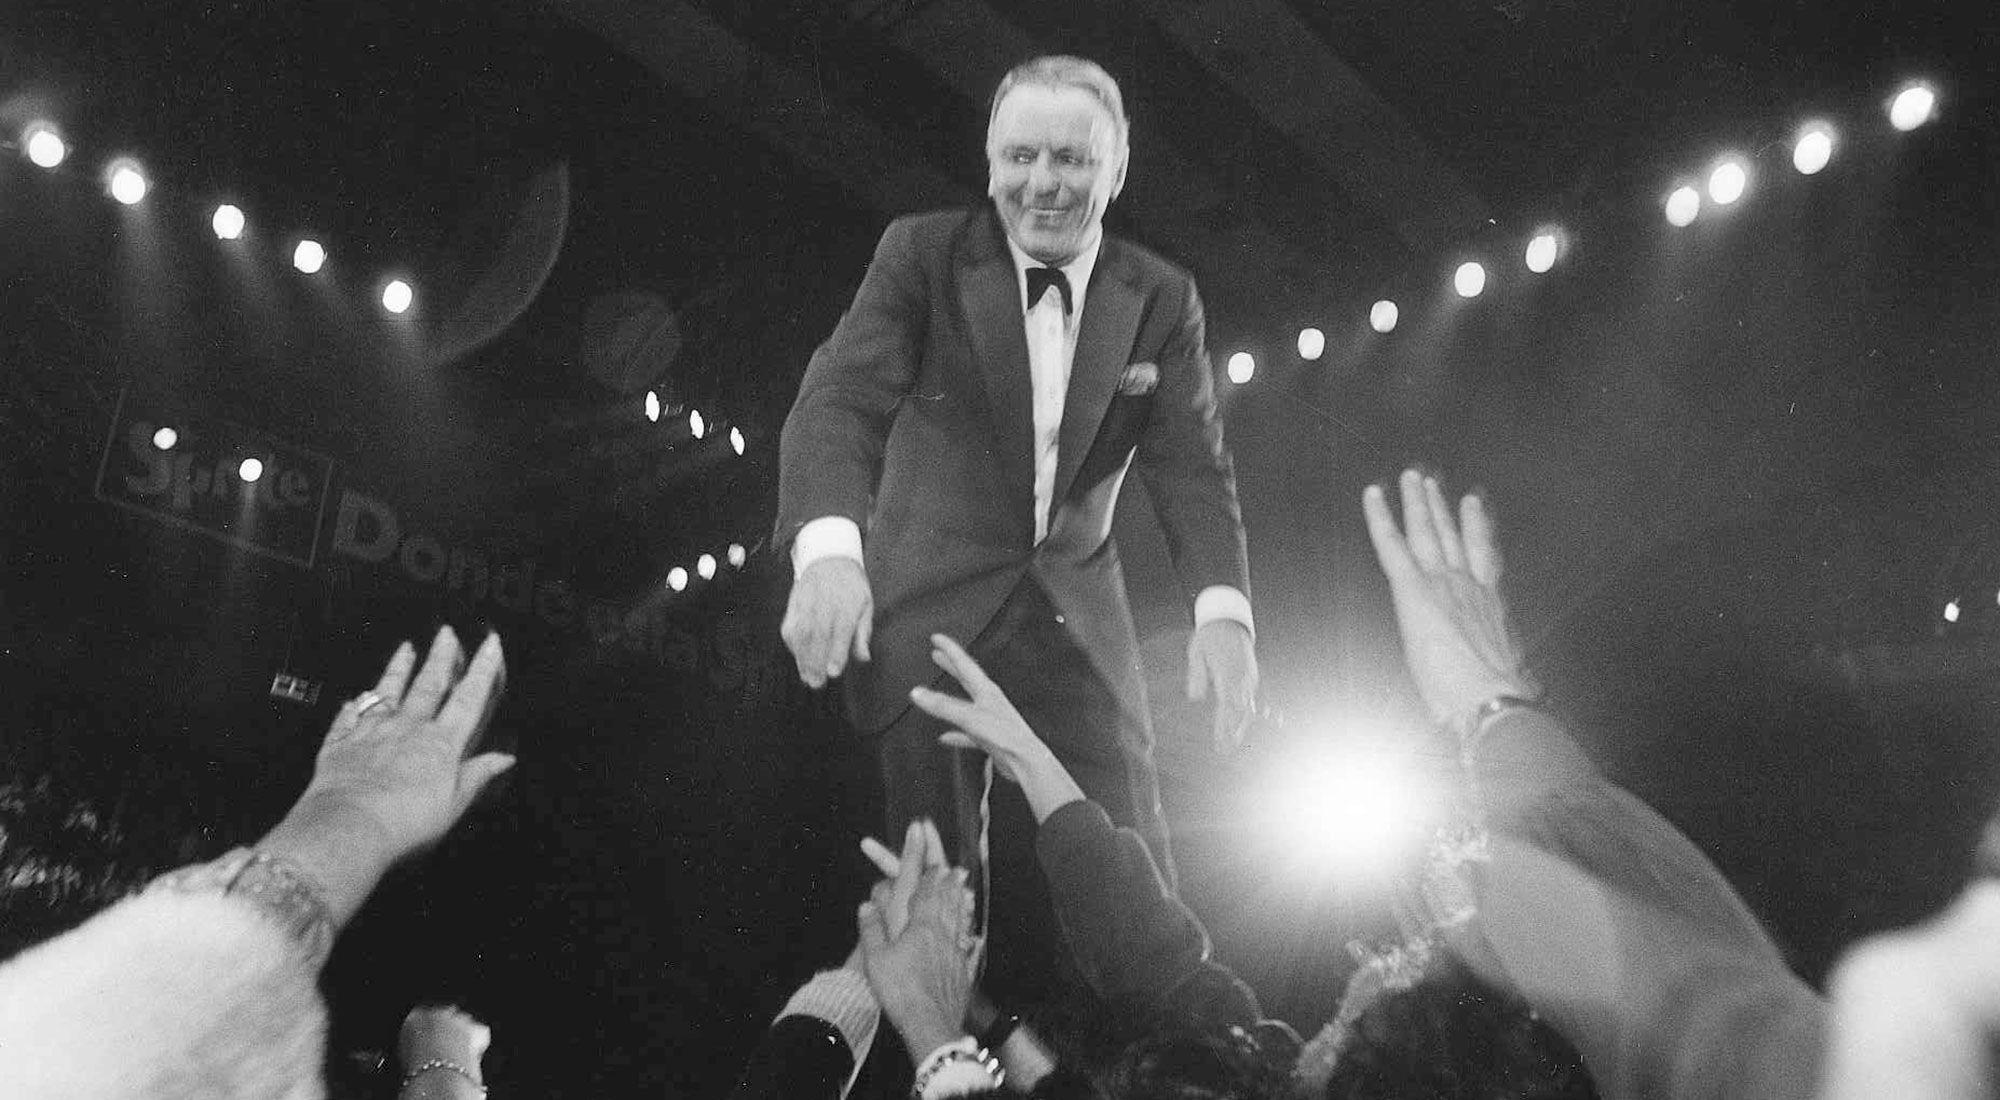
[1077, 271]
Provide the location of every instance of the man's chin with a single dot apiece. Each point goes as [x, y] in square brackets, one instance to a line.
[1044, 246]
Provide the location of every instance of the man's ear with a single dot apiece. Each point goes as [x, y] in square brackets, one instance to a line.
[1118, 180]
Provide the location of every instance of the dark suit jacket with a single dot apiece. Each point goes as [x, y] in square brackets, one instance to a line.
[915, 420]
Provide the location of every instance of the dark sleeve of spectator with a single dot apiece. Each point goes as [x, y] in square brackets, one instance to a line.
[1133, 940]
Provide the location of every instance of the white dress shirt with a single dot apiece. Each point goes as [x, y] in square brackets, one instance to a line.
[1051, 351]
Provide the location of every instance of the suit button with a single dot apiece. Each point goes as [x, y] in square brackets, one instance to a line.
[1060, 619]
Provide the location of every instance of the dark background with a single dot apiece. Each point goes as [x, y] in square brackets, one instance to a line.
[1741, 467]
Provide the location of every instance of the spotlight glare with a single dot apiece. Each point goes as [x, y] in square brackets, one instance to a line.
[696, 424]
[227, 223]
[677, 578]
[1242, 367]
[1912, 107]
[1814, 149]
[46, 148]
[1469, 279]
[736, 441]
[1542, 252]
[251, 470]
[705, 565]
[309, 256]
[1951, 612]
[165, 438]
[1382, 317]
[738, 555]
[1312, 344]
[127, 182]
[653, 406]
[1727, 182]
[397, 296]
[1683, 206]
[1346, 808]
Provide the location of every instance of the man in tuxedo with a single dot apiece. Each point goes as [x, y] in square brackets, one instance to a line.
[953, 458]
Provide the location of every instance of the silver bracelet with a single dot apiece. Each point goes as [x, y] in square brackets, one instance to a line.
[987, 1071]
[447, 1065]
[281, 892]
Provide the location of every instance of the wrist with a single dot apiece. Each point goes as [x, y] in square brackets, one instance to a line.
[1046, 784]
[339, 847]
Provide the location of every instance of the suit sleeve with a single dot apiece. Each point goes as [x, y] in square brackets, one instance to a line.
[1136, 944]
[1185, 466]
[830, 452]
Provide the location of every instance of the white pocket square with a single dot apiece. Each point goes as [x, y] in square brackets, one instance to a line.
[1139, 380]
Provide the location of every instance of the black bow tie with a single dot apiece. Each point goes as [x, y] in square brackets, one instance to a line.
[1040, 279]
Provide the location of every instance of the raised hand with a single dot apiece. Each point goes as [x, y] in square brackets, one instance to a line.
[1444, 579]
[924, 976]
[988, 721]
[923, 853]
[828, 619]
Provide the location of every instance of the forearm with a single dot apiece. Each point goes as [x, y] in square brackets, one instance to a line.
[342, 852]
[1046, 784]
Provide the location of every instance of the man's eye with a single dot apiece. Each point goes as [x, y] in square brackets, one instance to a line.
[1021, 156]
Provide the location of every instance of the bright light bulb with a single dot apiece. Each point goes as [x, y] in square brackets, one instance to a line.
[1469, 280]
[738, 555]
[705, 565]
[128, 184]
[1242, 367]
[653, 406]
[46, 148]
[397, 296]
[309, 256]
[677, 578]
[1542, 252]
[1382, 317]
[1312, 344]
[1683, 206]
[1813, 151]
[1912, 107]
[1345, 809]
[1951, 612]
[251, 470]
[696, 424]
[165, 438]
[1727, 183]
[736, 441]
[227, 222]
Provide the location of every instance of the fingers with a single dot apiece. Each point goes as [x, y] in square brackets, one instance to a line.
[911, 866]
[934, 856]
[948, 708]
[879, 854]
[1390, 549]
[1417, 527]
[1197, 669]
[953, 658]
[472, 699]
[1482, 547]
[874, 932]
[958, 739]
[863, 631]
[1447, 531]
[434, 679]
[475, 774]
[396, 674]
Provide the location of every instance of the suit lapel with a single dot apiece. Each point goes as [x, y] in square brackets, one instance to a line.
[990, 296]
[1109, 328]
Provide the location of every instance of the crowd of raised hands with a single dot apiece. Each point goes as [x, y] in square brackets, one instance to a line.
[204, 985]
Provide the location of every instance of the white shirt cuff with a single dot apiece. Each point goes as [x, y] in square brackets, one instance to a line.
[829, 537]
[1221, 601]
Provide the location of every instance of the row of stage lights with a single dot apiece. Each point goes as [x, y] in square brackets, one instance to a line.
[1728, 180]
[125, 180]
[698, 424]
[251, 470]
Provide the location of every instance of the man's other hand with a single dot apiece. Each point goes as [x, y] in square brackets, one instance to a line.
[1222, 664]
[829, 619]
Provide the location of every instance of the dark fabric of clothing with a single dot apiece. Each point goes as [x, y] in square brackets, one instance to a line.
[987, 826]
[915, 420]
[800, 1058]
[1137, 945]
[1619, 931]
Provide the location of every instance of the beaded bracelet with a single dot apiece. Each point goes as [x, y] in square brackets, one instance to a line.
[444, 1064]
[981, 1071]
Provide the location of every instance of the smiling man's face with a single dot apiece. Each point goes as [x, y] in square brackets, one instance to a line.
[1054, 164]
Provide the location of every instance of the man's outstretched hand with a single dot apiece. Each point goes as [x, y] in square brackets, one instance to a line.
[1444, 579]
[829, 619]
[1222, 664]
